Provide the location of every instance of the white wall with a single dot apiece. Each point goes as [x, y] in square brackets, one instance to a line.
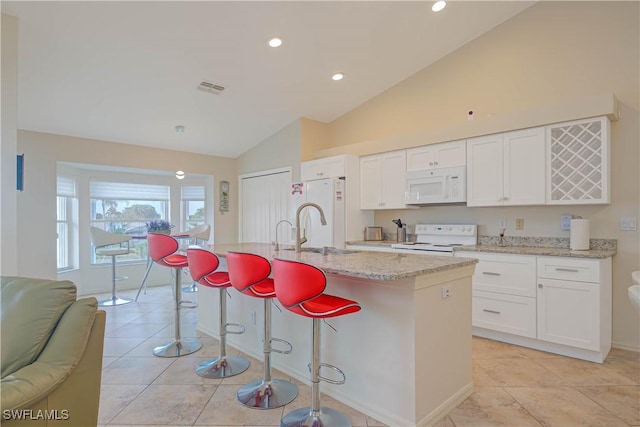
[282, 149]
[37, 204]
[551, 54]
[8, 147]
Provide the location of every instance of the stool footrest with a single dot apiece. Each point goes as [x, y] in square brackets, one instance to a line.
[241, 328]
[276, 350]
[187, 304]
[329, 380]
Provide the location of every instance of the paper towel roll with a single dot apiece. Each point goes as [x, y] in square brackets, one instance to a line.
[579, 235]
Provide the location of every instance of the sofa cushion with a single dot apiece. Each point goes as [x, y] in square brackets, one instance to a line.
[31, 309]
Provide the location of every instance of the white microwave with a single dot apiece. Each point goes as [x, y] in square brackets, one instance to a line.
[437, 186]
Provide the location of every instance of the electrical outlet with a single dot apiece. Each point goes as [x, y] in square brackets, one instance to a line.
[519, 223]
[446, 292]
[565, 221]
[502, 223]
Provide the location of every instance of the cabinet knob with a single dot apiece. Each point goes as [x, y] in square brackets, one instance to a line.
[540, 285]
[430, 163]
[505, 198]
[435, 163]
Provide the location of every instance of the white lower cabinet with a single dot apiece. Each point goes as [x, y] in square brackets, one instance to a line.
[555, 304]
[505, 313]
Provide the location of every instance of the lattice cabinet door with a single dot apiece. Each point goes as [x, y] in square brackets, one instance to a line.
[578, 162]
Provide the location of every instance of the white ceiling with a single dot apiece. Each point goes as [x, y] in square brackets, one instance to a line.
[127, 71]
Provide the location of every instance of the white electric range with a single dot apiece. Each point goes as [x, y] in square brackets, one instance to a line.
[439, 239]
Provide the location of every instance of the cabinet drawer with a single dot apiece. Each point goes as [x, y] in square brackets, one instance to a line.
[504, 313]
[579, 270]
[507, 274]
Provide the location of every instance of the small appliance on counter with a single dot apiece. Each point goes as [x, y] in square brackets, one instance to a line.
[401, 233]
[373, 233]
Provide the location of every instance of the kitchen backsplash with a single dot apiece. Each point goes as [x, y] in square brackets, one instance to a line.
[546, 242]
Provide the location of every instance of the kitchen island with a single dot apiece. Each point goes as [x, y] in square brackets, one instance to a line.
[406, 354]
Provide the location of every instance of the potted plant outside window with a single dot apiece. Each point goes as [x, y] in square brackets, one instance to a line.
[159, 226]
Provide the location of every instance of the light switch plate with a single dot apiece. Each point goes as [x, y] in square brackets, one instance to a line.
[565, 221]
[628, 224]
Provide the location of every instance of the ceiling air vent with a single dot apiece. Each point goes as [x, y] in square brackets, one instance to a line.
[206, 86]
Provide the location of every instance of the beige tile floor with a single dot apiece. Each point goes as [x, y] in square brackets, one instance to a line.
[514, 386]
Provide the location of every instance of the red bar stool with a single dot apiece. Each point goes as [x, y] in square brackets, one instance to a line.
[249, 274]
[300, 287]
[202, 267]
[162, 250]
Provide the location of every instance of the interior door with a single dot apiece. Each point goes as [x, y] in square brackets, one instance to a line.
[264, 202]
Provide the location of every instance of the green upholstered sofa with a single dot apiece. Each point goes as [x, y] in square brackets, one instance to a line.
[51, 349]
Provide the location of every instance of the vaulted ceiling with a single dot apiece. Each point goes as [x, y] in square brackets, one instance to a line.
[128, 71]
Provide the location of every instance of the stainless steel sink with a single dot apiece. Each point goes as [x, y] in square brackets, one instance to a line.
[333, 251]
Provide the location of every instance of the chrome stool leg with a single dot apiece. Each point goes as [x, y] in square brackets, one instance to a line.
[191, 288]
[114, 300]
[315, 415]
[143, 284]
[267, 393]
[179, 346]
[223, 366]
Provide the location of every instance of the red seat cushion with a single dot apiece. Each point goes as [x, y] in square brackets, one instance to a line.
[326, 306]
[175, 261]
[218, 279]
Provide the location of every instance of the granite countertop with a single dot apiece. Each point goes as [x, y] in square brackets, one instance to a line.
[380, 243]
[539, 251]
[540, 246]
[364, 264]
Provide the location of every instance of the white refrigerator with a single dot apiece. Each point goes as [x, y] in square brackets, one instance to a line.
[345, 220]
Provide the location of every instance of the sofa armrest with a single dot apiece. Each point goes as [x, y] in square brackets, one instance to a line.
[56, 362]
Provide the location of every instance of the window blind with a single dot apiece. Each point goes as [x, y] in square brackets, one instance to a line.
[127, 191]
[192, 192]
[66, 186]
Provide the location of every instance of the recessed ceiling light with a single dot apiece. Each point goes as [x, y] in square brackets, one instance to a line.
[337, 76]
[438, 6]
[275, 42]
[180, 174]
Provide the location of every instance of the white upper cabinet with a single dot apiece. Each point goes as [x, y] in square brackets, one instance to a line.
[445, 155]
[383, 180]
[578, 162]
[506, 169]
[329, 167]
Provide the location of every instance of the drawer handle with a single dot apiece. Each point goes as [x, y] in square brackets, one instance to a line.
[568, 270]
[490, 273]
[490, 311]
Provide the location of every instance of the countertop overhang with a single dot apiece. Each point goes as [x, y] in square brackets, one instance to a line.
[360, 264]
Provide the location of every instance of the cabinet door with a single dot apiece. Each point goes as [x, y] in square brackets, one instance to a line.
[371, 182]
[394, 180]
[524, 167]
[569, 313]
[450, 154]
[421, 158]
[484, 171]
[330, 167]
[578, 162]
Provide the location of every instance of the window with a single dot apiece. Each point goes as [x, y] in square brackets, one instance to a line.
[125, 208]
[192, 206]
[66, 215]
